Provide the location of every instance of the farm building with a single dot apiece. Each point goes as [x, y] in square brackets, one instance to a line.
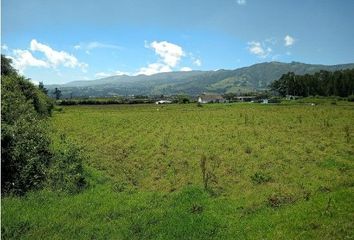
[210, 98]
[246, 98]
[163, 102]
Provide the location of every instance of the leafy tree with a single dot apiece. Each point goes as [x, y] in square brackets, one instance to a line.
[322, 83]
[6, 68]
[57, 93]
[182, 99]
[42, 88]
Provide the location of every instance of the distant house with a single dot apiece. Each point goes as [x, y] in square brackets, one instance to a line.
[265, 101]
[210, 98]
[163, 102]
[246, 98]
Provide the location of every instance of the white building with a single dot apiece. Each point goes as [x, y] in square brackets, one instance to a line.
[163, 102]
[210, 98]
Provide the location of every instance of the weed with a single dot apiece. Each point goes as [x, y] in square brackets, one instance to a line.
[259, 178]
[277, 200]
[347, 133]
[208, 169]
[248, 150]
[196, 208]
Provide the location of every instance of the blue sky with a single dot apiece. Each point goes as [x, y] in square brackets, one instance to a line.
[61, 41]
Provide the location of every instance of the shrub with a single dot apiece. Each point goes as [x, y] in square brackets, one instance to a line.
[25, 151]
[351, 98]
[66, 172]
[25, 142]
[25, 155]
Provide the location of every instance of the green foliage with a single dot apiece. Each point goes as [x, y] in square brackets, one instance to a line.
[25, 154]
[66, 171]
[182, 99]
[323, 83]
[25, 143]
[6, 68]
[42, 88]
[57, 93]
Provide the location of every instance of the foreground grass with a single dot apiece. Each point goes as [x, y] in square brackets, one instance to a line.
[279, 172]
[190, 213]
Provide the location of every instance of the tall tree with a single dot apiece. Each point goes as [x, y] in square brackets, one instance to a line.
[57, 93]
[42, 88]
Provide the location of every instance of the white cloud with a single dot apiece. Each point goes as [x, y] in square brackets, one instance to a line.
[154, 68]
[288, 40]
[24, 58]
[35, 82]
[170, 53]
[271, 40]
[56, 58]
[108, 74]
[4, 47]
[197, 62]
[186, 69]
[258, 49]
[241, 2]
[169, 57]
[93, 45]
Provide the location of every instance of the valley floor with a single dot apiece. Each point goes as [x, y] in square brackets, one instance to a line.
[272, 172]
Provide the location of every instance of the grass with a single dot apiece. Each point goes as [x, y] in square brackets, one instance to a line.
[274, 172]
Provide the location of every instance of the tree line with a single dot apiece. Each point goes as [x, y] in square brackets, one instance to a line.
[323, 83]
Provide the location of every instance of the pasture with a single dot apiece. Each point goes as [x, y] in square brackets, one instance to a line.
[221, 171]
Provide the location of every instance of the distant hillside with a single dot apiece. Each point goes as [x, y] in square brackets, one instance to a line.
[255, 77]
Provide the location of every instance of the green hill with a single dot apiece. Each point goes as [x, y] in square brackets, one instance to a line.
[255, 77]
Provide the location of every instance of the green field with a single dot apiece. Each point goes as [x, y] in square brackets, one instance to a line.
[272, 172]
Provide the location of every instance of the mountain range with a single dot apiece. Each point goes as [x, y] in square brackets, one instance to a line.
[252, 78]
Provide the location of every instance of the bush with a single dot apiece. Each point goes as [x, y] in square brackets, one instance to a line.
[26, 156]
[25, 151]
[351, 98]
[66, 172]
